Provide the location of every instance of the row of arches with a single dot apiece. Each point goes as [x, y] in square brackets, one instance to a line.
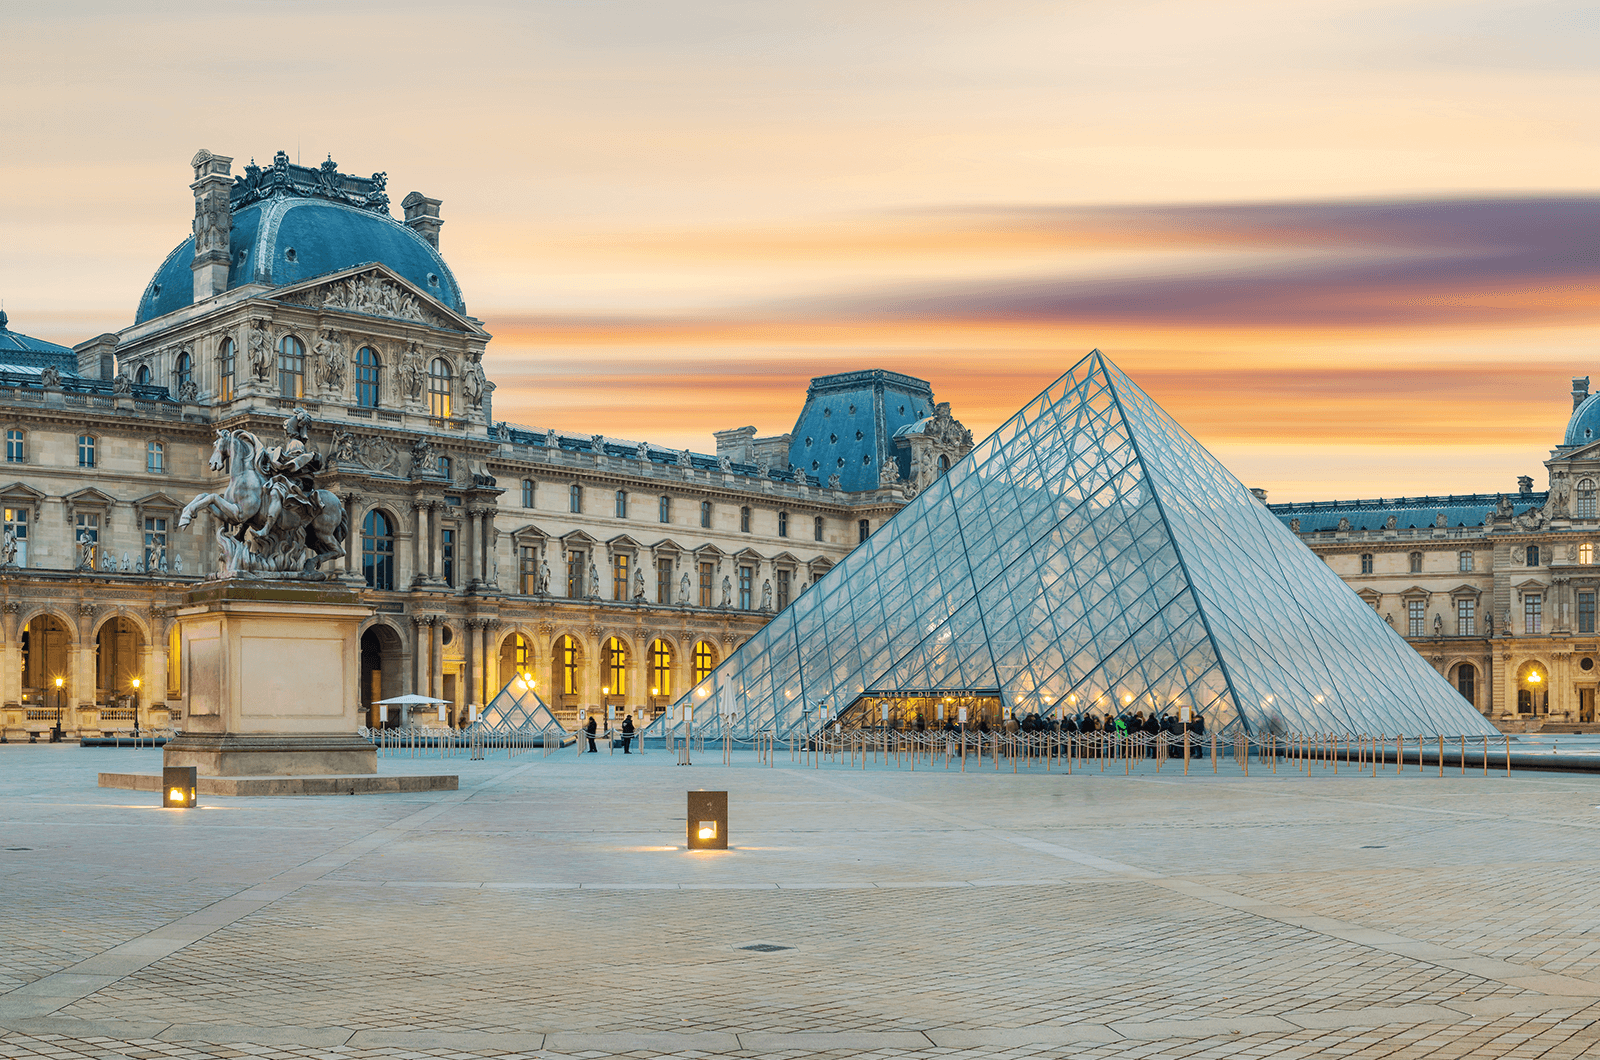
[46, 643]
[574, 672]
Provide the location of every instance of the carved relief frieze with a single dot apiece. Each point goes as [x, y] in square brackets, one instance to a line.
[370, 293]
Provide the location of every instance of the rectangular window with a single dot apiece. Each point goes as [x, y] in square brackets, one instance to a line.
[619, 576]
[1466, 562]
[14, 447]
[155, 543]
[706, 572]
[663, 581]
[155, 457]
[225, 362]
[575, 572]
[1466, 617]
[783, 589]
[1586, 612]
[1416, 612]
[1533, 613]
[575, 499]
[705, 514]
[86, 450]
[86, 532]
[17, 528]
[1366, 563]
[1533, 555]
[527, 493]
[622, 504]
[816, 528]
[744, 520]
[444, 466]
[746, 580]
[783, 524]
[529, 570]
[665, 511]
[447, 555]
[864, 529]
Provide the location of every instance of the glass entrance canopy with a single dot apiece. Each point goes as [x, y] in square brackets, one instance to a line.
[1089, 557]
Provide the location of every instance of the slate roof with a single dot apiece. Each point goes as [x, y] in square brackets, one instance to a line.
[1411, 513]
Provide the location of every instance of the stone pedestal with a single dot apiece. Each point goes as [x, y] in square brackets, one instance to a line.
[270, 680]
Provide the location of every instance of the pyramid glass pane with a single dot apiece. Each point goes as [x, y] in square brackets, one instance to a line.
[1089, 557]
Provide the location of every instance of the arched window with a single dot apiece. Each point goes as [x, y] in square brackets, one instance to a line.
[226, 359]
[705, 660]
[816, 528]
[944, 463]
[1533, 685]
[622, 504]
[575, 498]
[1467, 682]
[367, 377]
[614, 662]
[142, 376]
[1533, 555]
[439, 390]
[527, 493]
[1416, 563]
[567, 666]
[1583, 499]
[291, 367]
[377, 551]
[1366, 563]
[744, 520]
[660, 668]
[783, 524]
[182, 370]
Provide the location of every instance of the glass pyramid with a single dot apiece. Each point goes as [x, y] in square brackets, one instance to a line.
[1088, 557]
[517, 708]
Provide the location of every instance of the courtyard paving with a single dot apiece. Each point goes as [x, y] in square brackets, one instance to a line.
[549, 909]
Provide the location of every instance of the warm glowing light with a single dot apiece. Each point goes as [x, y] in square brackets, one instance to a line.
[708, 829]
[605, 690]
[60, 681]
[1126, 699]
[1533, 679]
[136, 684]
[655, 691]
[177, 795]
[703, 691]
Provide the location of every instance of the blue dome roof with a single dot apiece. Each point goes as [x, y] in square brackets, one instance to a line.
[1584, 427]
[284, 240]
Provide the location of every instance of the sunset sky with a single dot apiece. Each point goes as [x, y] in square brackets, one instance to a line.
[1354, 247]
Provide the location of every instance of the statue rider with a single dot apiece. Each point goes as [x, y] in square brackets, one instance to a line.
[291, 466]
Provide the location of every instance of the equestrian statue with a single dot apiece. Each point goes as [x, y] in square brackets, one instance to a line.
[276, 523]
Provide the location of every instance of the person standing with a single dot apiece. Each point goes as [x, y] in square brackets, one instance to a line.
[627, 732]
[591, 729]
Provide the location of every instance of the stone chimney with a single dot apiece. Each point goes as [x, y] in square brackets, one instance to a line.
[422, 217]
[737, 444]
[213, 222]
[97, 358]
[1580, 390]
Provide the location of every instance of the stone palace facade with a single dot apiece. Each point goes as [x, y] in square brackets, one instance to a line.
[1497, 590]
[613, 572]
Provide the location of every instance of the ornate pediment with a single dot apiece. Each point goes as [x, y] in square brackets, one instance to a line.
[373, 290]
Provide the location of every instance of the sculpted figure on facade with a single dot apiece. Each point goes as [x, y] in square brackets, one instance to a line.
[1441, 520]
[594, 582]
[8, 548]
[833, 481]
[1344, 522]
[188, 391]
[643, 453]
[1390, 523]
[108, 562]
[727, 591]
[274, 521]
[50, 377]
[542, 584]
[411, 371]
[638, 584]
[423, 462]
[725, 464]
[259, 351]
[686, 460]
[85, 551]
[122, 385]
[474, 384]
[345, 449]
[1560, 491]
[683, 591]
[766, 594]
[330, 361]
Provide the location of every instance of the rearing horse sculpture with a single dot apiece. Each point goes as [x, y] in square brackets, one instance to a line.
[270, 525]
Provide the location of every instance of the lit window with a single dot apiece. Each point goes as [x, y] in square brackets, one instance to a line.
[439, 391]
[575, 498]
[1416, 614]
[367, 377]
[619, 576]
[1586, 553]
[746, 585]
[783, 524]
[529, 570]
[155, 457]
[527, 493]
[567, 653]
[664, 509]
[1416, 563]
[1366, 563]
[576, 586]
[183, 370]
[744, 520]
[377, 551]
[616, 667]
[1533, 555]
[705, 513]
[660, 669]
[226, 358]
[1533, 613]
[1465, 559]
[816, 528]
[622, 504]
[1583, 499]
[705, 660]
[291, 367]
[707, 570]
[14, 447]
[86, 450]
[1586, 612]
[1466, 617]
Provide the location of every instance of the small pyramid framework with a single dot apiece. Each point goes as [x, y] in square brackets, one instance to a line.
[1088, 557]
[517, 708]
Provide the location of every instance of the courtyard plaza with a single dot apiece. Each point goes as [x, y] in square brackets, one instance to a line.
[548, 908]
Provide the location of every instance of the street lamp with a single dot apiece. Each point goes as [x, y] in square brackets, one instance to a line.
[55, 737]
[135, 705]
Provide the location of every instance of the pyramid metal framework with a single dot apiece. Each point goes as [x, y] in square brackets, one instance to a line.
[1088, 557]
[517, 708]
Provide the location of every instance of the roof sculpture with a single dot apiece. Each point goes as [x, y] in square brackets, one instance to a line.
[1089, 557]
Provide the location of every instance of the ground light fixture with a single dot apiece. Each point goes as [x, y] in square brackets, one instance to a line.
[708, 820]
[179, 787]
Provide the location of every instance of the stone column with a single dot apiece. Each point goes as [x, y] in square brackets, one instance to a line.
[11, 655]
[435, 656]
[474, 662]
[352, 541]
[419, 514]
[491, 660]
[435, 542]
[419, 655]
[141, 699]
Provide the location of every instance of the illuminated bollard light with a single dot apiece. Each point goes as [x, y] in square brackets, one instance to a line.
[708, 820]
[178, 787]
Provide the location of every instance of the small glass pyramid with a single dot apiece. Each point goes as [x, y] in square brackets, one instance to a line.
[1088, 557]
[517, 708]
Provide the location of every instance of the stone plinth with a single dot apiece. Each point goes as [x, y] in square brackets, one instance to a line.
[270, 681]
